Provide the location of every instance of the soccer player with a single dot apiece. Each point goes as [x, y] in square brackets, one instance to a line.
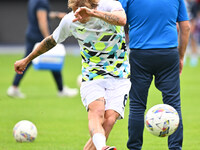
[98, 27]
[38, 29]
[155, 52]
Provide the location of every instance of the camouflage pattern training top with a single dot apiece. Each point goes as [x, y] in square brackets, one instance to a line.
[102, 45]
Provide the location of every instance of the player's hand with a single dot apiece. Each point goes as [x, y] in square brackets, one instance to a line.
[20, 66]
[83, 14]
[181, 66]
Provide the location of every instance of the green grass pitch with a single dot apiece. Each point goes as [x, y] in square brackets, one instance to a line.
[62, 122]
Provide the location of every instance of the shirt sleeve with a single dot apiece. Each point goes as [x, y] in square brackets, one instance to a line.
[182, 14]
[63, 29]
[110, 5]
[41, 5]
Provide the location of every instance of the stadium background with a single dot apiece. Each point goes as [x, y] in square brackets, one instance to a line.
[62, 122]
[13, 14]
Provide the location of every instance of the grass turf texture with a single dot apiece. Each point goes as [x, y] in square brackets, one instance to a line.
[62, 122]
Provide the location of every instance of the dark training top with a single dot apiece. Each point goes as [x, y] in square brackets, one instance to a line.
[33, 32]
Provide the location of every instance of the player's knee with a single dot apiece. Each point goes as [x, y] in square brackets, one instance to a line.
[100, 113]
[97, 113]
[110, 121]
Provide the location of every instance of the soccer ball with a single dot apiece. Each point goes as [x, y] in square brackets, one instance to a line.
[161, 120]
[25, 131]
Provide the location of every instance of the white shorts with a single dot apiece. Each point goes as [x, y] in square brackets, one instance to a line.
[114, 91]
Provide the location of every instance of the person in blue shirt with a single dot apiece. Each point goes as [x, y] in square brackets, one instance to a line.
[155, 52]
[38, 29]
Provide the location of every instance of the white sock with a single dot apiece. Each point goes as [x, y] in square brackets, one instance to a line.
[99, 140]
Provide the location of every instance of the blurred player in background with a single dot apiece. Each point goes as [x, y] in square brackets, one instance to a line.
[193, 8]
[197, 28]
[98, 27]
[38, 29]
[155, 52]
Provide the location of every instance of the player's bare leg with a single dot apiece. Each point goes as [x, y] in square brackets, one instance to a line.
[110, 118]
[96, 119]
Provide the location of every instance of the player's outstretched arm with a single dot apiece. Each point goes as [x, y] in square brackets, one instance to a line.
[114, 17]
[46, 44]
[56, 14]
